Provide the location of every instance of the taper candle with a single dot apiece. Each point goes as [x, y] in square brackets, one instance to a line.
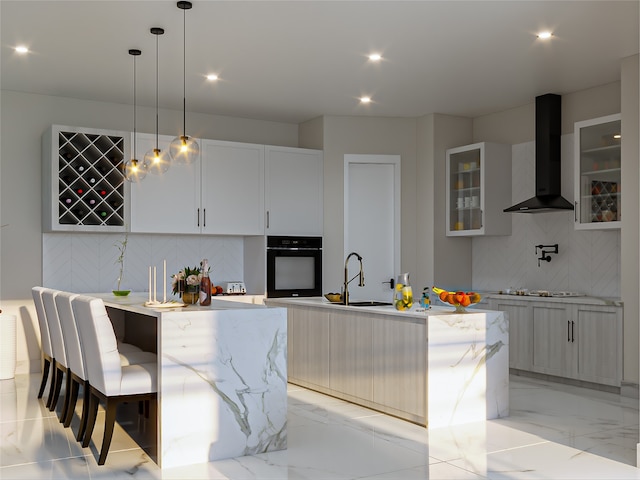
[154, 284]
[149, 283]
[164, 281]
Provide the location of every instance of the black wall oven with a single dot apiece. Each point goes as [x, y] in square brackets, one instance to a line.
[294, 267]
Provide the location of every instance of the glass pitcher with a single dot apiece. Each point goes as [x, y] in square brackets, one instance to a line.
[403, 294]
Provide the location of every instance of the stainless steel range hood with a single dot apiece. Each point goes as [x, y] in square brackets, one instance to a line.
[548, 131]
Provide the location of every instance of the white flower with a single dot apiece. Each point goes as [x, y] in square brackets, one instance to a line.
[193, 280]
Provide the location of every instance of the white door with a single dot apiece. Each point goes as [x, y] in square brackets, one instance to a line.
[372, 222]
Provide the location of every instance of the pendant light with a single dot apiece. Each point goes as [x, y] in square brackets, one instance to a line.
[134, 170]
[184, 149]
[157, 161]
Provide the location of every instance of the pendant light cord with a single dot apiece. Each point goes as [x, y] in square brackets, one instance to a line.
[184, 72]
[134, 107]
[157, 140]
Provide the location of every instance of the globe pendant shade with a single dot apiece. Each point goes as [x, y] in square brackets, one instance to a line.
[184, 150]
[157, 161]
[135, 171]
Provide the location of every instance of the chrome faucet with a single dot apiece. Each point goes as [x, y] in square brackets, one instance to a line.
[345, 288]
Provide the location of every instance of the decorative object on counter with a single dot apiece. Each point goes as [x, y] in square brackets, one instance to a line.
[184, 149]
[333, 297]
[544, 254]
[153, 300]
[122, 248]
[157, 161]
[403, 293]
[187, 283]
[205, 283]
[425, 301]
[458, 299]
[134, 170]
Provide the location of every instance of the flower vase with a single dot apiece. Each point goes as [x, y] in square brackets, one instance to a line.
[191, 294]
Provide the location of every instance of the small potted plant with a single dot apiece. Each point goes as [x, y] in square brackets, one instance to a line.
[122, 247]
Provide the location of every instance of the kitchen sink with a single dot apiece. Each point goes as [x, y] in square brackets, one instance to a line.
[369, 303]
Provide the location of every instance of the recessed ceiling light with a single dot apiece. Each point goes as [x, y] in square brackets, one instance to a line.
[375, 57]
[545, 35]
[617, 136]
[22, 49]
[212, 77]
[365, 99]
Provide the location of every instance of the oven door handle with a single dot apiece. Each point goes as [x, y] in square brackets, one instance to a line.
[295, 249]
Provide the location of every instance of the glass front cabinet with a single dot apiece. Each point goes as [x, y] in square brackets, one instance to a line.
[597, 173]
[478, 189]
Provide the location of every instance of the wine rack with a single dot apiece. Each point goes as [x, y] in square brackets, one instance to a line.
[87, 189]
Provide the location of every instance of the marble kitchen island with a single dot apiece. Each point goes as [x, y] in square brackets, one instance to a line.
[222, 386]
[434, 367]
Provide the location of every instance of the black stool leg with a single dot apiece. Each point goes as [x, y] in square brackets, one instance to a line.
[45, 375]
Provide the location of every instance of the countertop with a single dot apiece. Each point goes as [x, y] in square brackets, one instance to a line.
[583, 300]
[415, 312]
[134, 302]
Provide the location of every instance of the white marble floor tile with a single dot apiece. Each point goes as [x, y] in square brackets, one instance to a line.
[554, 431]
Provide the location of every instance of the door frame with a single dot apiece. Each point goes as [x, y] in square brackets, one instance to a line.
[394, 160]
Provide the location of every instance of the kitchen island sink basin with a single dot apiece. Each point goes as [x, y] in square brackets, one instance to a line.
[369, 303]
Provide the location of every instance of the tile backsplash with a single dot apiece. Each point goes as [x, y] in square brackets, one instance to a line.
[86, 262]
[587, 262]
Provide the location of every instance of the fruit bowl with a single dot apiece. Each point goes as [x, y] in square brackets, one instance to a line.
[333, 297]
[458, 299]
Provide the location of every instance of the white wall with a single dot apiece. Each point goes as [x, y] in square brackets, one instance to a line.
[587, 262]
[630, 242]
[365, 135]
[86, 262]
[23, 119]
[516, 126]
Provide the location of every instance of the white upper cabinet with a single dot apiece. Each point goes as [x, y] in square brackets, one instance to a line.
[168, 203]
[83, 187]
[478, 190]
[232, 188]
[293, 196]
[598, 173]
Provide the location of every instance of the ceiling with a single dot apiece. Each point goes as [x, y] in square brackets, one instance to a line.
[291, 61]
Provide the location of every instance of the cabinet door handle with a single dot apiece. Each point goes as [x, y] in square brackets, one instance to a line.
[575, 211]
[267, 218]
[204, 217]
[568, 332]
[198, 224]
[572, 337]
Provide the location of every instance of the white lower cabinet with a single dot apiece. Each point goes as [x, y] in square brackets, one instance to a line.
[570, 340]
[399, 365]
[351, 355]
[375, 361]
[520, 331]
[308, 347]
[553, 352]
[598, 337]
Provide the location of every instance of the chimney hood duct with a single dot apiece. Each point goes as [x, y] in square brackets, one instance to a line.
[548, 131]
